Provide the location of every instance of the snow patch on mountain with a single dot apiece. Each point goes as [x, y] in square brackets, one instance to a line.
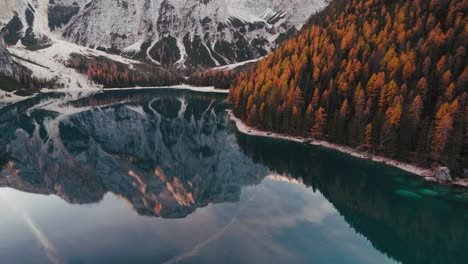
[11, 8]
[263, 10]
[230, 30]
[49, 63]
[236, 65]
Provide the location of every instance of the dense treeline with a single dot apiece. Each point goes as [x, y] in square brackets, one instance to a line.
[22, 82]
[387, 76]
[114, 74]
[221, 79]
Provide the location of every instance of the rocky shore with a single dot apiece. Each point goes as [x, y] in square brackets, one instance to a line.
[427, 174]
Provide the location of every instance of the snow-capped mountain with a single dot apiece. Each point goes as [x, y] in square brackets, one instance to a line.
[193, 32]
[207, 33]
[33, 55]
[42, 35]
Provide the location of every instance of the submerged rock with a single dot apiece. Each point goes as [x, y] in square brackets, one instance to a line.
[428, 192]
[443, 175]
[408, 194]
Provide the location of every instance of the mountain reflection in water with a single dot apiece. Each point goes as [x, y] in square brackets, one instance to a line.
[168, 153]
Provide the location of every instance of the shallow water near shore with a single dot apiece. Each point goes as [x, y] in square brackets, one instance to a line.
[162, 176]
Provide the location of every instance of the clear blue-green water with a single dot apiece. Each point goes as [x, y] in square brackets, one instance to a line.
[161, 176]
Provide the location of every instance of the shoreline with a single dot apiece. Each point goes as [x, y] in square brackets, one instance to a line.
[7, 98]
[202, 89]
[11, 98]
[426, 174]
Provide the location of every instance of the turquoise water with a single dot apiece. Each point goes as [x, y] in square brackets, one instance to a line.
[161, 176]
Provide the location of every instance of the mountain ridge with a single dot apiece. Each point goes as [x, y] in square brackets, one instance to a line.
[227, 31]
[42, 36]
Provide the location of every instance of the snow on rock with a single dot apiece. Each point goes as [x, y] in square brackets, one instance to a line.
[136, 109]
[133, 48]
[41, 22]
[10, 8]
[296, 12]
[127, 25]
[49, 63]
[236, 65]
[38, 16]
[207, 89]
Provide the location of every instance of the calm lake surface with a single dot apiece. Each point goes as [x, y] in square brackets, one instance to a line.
[161, 176]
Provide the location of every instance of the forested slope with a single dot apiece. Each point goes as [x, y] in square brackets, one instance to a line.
[387, 76]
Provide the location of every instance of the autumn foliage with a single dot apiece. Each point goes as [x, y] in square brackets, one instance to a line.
[112, 74]
[387, 76]
[221, 79]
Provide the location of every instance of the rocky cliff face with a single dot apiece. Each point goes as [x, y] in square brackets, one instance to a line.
[6, 64]
[188, 32]
[25, 22]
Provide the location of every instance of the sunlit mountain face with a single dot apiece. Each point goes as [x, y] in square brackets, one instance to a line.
[160, 152]
[162, 176]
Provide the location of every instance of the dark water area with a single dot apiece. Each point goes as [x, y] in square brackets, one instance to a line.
[162, 176]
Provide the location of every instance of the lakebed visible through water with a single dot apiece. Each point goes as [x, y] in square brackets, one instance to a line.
[162, 176]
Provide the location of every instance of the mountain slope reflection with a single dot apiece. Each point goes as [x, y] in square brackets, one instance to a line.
[408, 219]
[166, 153]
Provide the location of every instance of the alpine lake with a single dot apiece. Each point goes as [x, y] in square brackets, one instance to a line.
[163, 176]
